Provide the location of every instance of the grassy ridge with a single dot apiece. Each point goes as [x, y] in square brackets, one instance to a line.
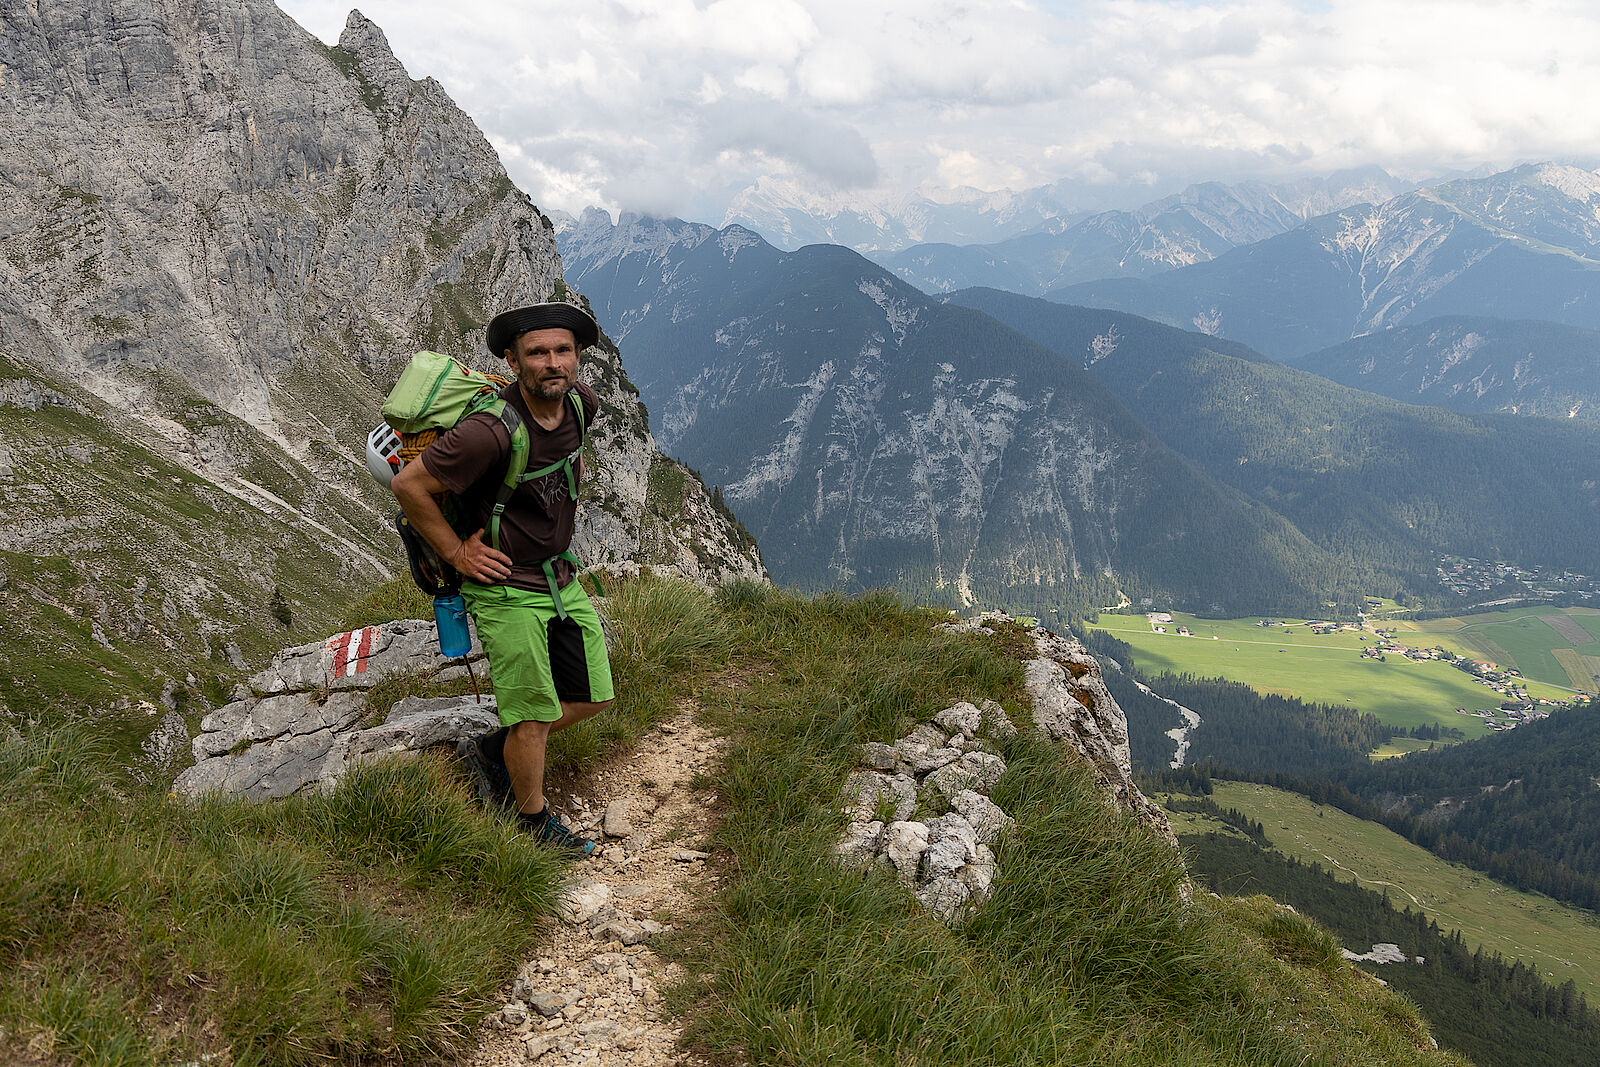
[375, 922]
[1086, 952]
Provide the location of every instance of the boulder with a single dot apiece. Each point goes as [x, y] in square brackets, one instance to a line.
[962, 718]
[988, 822]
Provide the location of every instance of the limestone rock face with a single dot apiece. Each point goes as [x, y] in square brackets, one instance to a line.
[219, 238]
[1071, 703]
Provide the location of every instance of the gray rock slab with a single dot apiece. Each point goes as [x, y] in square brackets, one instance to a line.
[312, 754]
[877, 755]
[945, 897]
[952, 845]
[859, 845]
[934, 758]
[961, 718]
[864, 791]
[996, 723]
[985, 817]
[903, 846]
[978, 771]
[616, 822]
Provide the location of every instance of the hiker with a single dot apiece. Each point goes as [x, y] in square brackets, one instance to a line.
[538, 628]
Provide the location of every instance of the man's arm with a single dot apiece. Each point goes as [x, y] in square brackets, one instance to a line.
[415, 487]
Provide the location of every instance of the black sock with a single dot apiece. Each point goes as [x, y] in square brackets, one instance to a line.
[535, 818]
[494, 745]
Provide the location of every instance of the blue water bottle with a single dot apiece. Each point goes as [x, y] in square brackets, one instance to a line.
[450, 613]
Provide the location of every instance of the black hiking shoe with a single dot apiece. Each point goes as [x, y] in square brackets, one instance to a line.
[490, 778]
[552, 831]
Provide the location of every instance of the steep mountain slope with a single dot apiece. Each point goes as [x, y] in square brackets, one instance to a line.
[218, 237]
[869, 435]
[1193, 226]
[1524, 244]
[1381, 484]
[1470, 363]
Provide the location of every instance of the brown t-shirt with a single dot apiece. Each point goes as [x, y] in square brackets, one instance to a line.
[471, 459]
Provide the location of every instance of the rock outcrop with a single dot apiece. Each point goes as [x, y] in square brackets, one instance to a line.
[921, 806]
[949, 766]
[304, 721]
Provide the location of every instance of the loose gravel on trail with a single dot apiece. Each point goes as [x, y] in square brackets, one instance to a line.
[592, 995]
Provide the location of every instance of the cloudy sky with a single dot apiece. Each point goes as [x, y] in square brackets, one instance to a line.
[673, 106]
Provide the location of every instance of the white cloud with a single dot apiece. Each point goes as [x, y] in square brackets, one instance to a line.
[680, 103]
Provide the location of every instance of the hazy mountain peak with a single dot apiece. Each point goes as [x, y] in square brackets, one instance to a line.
[1575, 182]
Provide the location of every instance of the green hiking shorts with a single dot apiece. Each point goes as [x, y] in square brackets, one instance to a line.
[537, 658]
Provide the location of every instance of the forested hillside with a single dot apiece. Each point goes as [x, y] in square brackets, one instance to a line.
[1523, 806]
[1474, 364]
[1499, 1012]
[868, 435]
[1384, 487]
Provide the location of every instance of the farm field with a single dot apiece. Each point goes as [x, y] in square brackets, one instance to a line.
[1291, 660]
[1563, 942]
[1556, 645]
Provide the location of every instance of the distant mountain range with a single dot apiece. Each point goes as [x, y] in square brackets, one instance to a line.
[1193, 226]
[1523, 244]
[790, 216]
[1470, 363]
[868, 435]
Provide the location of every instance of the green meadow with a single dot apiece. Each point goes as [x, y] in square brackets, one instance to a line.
[1287, 658]
[1561, 941]
[1530, 639]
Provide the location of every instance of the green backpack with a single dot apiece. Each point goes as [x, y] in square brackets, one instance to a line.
[433, 394]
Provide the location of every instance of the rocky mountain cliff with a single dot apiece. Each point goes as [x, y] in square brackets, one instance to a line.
[1523, 244]
[1383, 486]
[218, 238]
[869, 435]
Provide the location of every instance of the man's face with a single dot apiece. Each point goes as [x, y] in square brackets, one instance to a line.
[545, 362]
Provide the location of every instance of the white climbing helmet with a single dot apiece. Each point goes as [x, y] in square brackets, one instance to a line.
[383, 454]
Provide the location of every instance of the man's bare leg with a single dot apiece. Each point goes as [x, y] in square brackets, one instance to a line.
[524, 754]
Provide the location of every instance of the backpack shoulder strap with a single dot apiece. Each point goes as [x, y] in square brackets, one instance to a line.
[516, 464]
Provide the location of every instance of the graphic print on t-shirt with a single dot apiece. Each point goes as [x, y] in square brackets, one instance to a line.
[550, 491]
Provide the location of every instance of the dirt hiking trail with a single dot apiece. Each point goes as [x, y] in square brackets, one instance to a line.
[592, 995]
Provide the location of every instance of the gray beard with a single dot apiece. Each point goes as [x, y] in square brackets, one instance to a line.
[550, 390]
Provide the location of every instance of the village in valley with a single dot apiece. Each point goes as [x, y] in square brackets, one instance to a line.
[1468, 577]
[1514, 706]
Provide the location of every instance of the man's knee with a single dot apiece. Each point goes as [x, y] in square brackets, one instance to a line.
[531, 730]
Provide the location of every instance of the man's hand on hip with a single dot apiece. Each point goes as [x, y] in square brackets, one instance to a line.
[480, 562]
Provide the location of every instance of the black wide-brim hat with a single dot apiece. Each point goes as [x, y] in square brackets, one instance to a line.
[507, 326]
